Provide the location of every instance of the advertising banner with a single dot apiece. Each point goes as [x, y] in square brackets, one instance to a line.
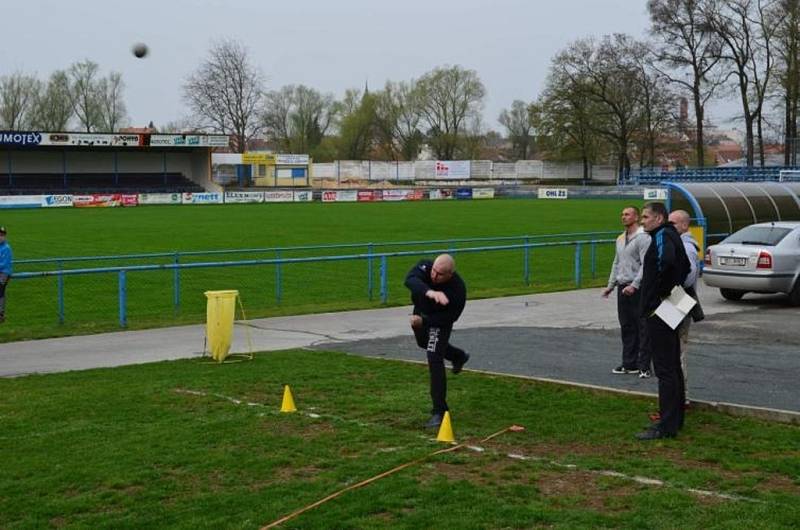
[553, 193]
[56, 201]
[303, 196]
[21, 201]
[451, 169]
[464, 193]
[130, 199]
[239, 197]
[329, 196]
[440, 194]
[94, 140]
[657, 194]
[279, 196]
[201, 198]
[395, 195]
[258, 158]
[20, 138]
[370, 195]
[291, 160]
[347, 196]
[159, 198]
[483, 193]
[97, 200]
[188, 140]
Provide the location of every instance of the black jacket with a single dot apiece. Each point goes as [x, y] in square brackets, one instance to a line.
[418, 281]
[661, 267]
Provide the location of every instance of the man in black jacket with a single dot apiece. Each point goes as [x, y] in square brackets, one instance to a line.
[439, 296]
[665, 266]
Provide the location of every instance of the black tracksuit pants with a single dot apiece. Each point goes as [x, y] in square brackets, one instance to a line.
[635, 349]
[667, 363]
[436, 342]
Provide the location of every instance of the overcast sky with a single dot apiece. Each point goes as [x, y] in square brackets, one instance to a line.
[328, 45]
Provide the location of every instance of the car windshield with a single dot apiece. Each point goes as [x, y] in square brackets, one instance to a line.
[758, 235]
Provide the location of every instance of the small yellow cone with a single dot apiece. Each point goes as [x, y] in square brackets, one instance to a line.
[446, 430]
[288, 400]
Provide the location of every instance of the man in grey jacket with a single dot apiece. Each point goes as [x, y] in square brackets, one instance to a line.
[626, 276]
[681, 219]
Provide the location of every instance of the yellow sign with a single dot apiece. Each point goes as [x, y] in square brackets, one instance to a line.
[697, 234]
[258, 158]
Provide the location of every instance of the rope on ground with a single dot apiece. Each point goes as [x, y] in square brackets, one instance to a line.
[510, 428]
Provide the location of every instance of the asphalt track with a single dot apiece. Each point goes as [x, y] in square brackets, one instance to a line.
[745, 353]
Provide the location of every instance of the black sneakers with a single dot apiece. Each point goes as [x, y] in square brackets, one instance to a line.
[622, 370]
[653, 433]
[458, 366]
[435, 422]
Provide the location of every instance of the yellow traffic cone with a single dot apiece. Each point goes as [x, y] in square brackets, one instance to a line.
[288, 400]
[446, 430]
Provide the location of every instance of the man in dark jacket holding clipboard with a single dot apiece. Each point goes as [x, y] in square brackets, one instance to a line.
[665, 266]
[439, 296]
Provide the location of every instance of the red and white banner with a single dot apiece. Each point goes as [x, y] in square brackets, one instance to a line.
[402, 195]
[437, 195]
[130, 200]
[451, 169]
[370, 195]
[97, 200]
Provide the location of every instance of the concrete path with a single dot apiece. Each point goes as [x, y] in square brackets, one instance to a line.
[744, 352]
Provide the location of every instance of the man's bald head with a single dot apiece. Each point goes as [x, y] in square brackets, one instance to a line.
[681, 220]
[443, 268]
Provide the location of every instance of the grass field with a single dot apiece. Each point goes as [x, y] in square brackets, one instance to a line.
[165, 445]
[91, 301]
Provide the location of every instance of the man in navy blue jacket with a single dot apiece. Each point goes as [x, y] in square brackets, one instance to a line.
[665, 265]
[439, 295]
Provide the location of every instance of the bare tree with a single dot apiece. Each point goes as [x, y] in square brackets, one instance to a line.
[692, 53]
[111, 104]
[18, 92]
[451, 100]
[658, 105]
[84, 94]
[398, 118]
[226, 93]
[788, 52]
[52, 110]
[297, 117]
[747, 29]
[607, 74]
[517, 121]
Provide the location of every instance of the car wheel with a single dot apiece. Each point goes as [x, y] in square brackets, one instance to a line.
[794, 294]
[731, 294]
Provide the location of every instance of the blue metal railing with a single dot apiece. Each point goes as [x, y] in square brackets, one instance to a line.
[178, 256]
[279, 262]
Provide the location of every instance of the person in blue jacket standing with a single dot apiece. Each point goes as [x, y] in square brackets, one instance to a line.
[5, 271]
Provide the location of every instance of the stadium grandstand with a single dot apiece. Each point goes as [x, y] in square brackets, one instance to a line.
[33, 162]
[649, 176]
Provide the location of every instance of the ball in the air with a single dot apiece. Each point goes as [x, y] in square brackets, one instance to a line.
[140, 50]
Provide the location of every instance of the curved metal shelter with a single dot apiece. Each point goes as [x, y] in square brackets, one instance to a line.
[725, 207]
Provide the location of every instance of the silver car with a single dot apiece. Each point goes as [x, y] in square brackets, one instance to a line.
[760, 258]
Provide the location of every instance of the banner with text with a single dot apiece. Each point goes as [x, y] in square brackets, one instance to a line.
[438, 195]
[483, 193]
[279, 196]
[656, 194]
[201, 198]
[464, 193]
[303, 196]
[97, 200]
[159, 198]
[451, 169]
[129, 199]
[553, 193]
[370, 195]
[239, 197]
[56, 201]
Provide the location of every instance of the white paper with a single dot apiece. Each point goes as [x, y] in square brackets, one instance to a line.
[675, 307]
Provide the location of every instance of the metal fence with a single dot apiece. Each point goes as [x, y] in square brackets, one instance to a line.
[172, 291]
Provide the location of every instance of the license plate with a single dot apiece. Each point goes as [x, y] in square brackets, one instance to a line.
[739, 262]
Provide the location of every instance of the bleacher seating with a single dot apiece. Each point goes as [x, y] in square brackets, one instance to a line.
[34, 184]
[706, 174]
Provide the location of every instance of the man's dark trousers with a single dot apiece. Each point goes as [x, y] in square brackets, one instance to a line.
[667, 363]
[436, 341]
[635, 350]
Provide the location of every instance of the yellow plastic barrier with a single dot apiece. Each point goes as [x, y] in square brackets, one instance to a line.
[219, 322]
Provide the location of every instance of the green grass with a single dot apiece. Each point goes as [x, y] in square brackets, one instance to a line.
[91, 302]
[124, 448]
